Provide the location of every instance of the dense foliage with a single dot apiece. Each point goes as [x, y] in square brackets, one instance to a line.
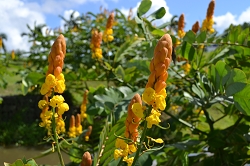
[207, 115]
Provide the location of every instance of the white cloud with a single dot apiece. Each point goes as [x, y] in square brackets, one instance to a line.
[224, 21]
[15, 15]
[155, 6]
[67, 14]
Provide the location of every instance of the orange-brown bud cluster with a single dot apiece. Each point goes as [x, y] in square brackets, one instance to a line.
[78, 120]
[87, 134]
[160, 63]
[95, 45]
[86, 159]
[56, 56]
[132, 121]
[196, 27]
[110, 21]
[72, 121]
[210, 10]
[181, 22]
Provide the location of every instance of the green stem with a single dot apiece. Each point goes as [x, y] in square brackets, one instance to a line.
[141, 142]
[56, 138]
[209, 120]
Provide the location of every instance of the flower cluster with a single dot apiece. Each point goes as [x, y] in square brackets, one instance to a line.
[186, 67]
[75, 128]
[84, 105]
[181, 24]
[95, 45]
[207, 24]
[108, 32]
[155, 93]
[131, 131]
[54, 82]
[196, 27]
[57, 102]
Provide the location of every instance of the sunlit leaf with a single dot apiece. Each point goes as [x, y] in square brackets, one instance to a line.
[144, 7]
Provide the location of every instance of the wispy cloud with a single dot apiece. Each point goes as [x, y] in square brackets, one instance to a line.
[15, 15]
[224, 21]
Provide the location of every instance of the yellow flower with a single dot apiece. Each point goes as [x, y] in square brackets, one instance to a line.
[79, 130]
[153, 118]
[120, 143]
[44, 89]
[137, 110]
[72, 132]
[62, 108]
[60, 86]
[160, 102]
[60, 126]
[50, 80]
[42, 104]
[132, 148]
[186, 67]
[56, 100]
[109, 31]
[60, 77]
[148, 95]
[128, 160]
[162, 93]
[158, 140]
[117, 153]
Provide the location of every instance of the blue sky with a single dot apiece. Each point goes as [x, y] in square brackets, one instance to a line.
[15, 14]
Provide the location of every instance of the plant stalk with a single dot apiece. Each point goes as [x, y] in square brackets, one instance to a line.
[141, 142]
[56, 138]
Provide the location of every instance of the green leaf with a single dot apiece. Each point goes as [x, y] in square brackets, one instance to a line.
[201, 37]
[236, 82]
[189, 37]
[158, 14]
[221, 74]
[219, 56]
[188, 51]
[197, 90]
[242, 100]
[18, 162]
[35, 78]
[231, 36]
[144, 7]
[126, 47]
[158, 32]
[119, 72]
[109, 145]
[31, 162]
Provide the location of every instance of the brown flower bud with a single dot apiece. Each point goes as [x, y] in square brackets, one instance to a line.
[110, 21]
[196, 27]
[86, 159]
[72, 121]
[210, 10]
[181, 22]
[56, 56]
